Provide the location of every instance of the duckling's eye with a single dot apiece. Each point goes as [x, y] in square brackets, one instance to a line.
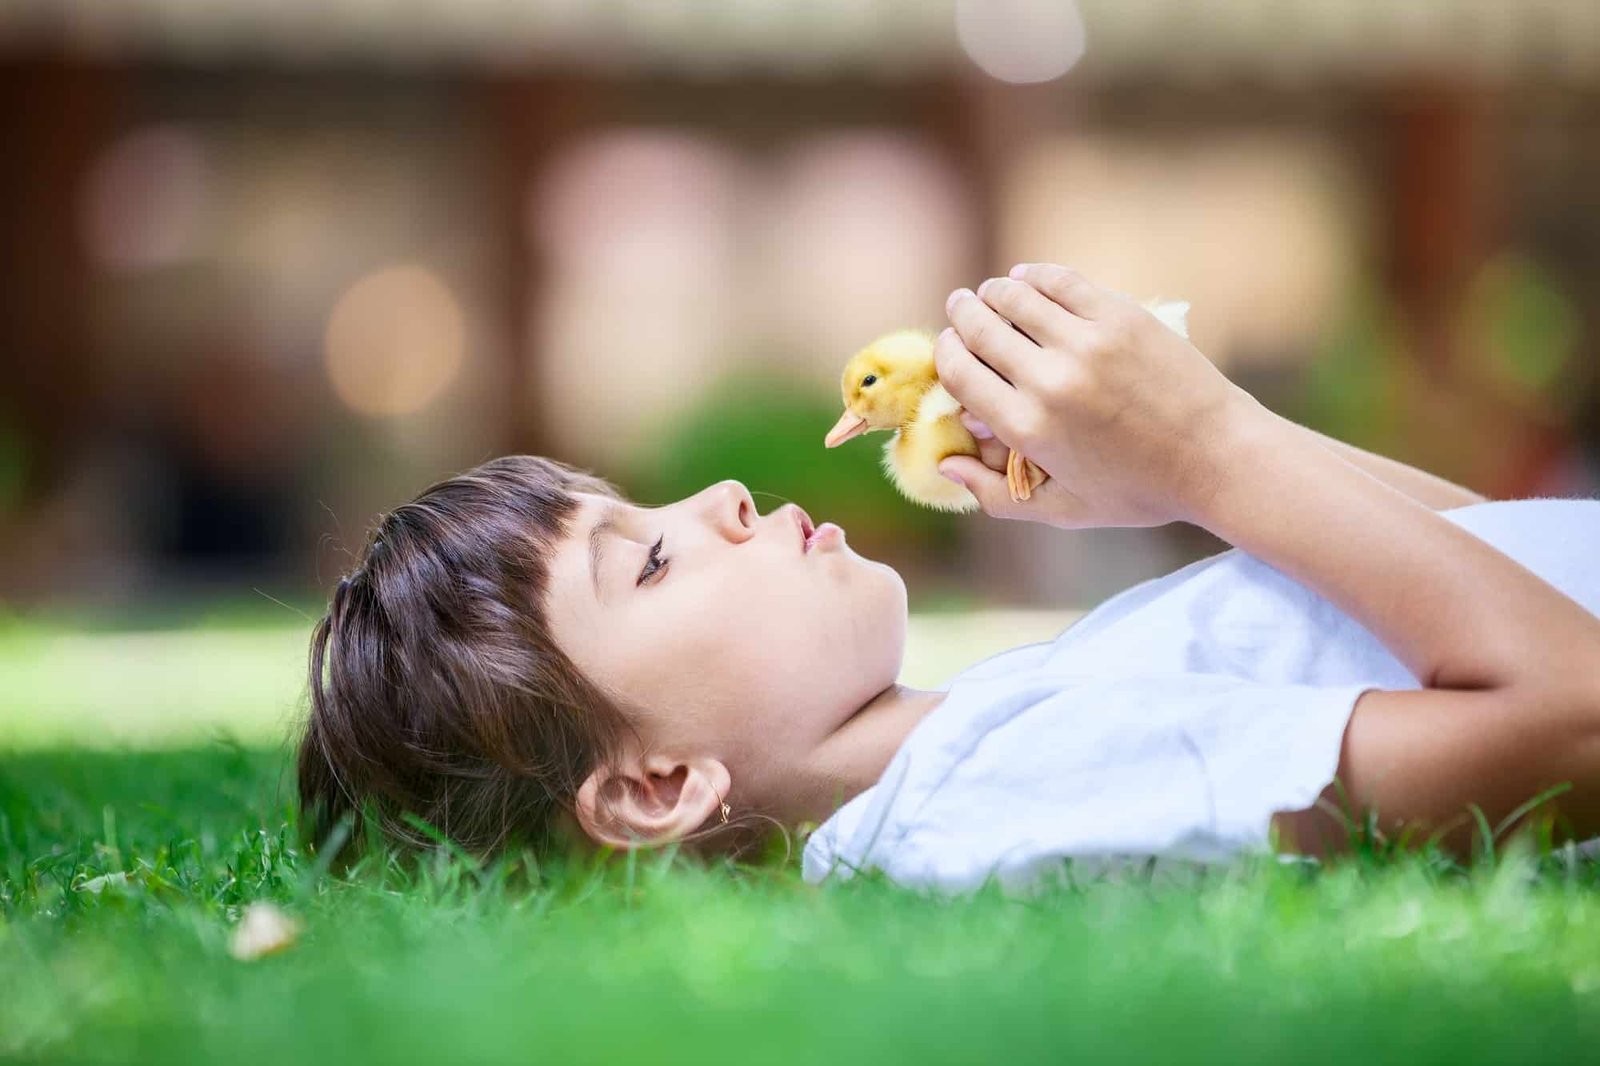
[868, 380]
[654, 563]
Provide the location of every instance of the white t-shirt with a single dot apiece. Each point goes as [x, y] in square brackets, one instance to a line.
[1170, 723]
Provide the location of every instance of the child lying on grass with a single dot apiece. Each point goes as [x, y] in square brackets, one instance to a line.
[524, 657]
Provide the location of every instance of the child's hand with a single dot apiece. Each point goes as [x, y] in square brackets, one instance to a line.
[1050, 503]
[1131, 422]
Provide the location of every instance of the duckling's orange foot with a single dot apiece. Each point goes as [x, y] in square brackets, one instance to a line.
[1033, 476]
[1022, 477]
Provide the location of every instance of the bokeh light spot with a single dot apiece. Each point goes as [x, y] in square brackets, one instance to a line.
[866, 233]
[145, 199]
[639, 230]
[395, 340]
[1021, 41]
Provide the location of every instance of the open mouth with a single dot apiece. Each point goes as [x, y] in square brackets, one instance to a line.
[806, 527]
[812, 534]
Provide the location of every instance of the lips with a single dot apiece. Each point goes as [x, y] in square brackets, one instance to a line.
[806, 528]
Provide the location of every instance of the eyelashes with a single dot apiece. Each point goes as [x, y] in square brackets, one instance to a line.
[655, 563]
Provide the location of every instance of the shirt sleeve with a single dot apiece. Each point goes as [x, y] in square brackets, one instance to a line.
[1184, 766]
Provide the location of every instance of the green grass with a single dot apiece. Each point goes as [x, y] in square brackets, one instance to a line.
[1380, 958]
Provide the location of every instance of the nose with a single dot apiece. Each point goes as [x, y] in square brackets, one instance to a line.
[732, 510]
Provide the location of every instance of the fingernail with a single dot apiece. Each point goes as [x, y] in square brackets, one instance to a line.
[1017, 271]
[976, 426]
[953, 476]
[956, 297]
[987, 282]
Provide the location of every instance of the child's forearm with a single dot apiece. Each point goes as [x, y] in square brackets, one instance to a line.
[1430, 490]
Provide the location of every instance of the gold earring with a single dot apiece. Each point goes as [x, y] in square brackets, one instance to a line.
[724, 806]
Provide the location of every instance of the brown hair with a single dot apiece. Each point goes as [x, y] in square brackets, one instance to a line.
[436, 688]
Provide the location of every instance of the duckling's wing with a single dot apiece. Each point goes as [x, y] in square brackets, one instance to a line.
[911, 462]
[1174, 314]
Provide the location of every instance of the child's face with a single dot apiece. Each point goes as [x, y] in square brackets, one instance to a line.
[743, 646]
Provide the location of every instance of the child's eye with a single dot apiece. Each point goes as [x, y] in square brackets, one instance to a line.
[654, 563]
[868, 380]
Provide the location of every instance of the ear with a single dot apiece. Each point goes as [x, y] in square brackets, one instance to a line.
[655, 799]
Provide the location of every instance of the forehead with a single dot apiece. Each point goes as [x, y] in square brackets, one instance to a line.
[569, 570]
[591, 509]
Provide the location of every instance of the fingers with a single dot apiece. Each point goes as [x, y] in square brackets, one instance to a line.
[988, 485]
[993, 452]
[1025, 307]
[988, 336]
[991, 449]
[975, 386]
[1066, 287]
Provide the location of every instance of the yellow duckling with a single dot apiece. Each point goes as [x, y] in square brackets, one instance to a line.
[892, 384]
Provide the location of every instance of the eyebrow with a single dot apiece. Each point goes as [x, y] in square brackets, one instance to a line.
[607, 523]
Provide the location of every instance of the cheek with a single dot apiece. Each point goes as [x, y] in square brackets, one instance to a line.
[711, 646]
[775, 649]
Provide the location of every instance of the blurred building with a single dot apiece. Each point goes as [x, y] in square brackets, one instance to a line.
[269, 268]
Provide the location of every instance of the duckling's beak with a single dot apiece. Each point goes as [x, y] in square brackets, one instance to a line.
[849, 425]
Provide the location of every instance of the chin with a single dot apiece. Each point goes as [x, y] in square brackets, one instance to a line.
[896, 616]
[901, 604]
[889, 573]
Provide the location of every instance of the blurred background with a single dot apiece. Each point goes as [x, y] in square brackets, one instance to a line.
[271, 268]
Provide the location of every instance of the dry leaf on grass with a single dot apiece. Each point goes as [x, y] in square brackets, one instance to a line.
[263, 930]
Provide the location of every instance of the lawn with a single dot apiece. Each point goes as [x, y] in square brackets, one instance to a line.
[1379, 958]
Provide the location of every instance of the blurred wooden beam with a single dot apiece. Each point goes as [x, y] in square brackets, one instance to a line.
[1439, 168]
[530, 118]
[54, 117]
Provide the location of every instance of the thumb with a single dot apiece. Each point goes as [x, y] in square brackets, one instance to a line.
[989, 486]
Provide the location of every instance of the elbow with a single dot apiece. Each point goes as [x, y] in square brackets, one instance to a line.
[1583, 694]
[1575, 711]
[1589, 704]
[1584, 773]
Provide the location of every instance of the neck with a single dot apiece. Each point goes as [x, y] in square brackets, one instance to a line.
[924, 388]
[853, 758]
